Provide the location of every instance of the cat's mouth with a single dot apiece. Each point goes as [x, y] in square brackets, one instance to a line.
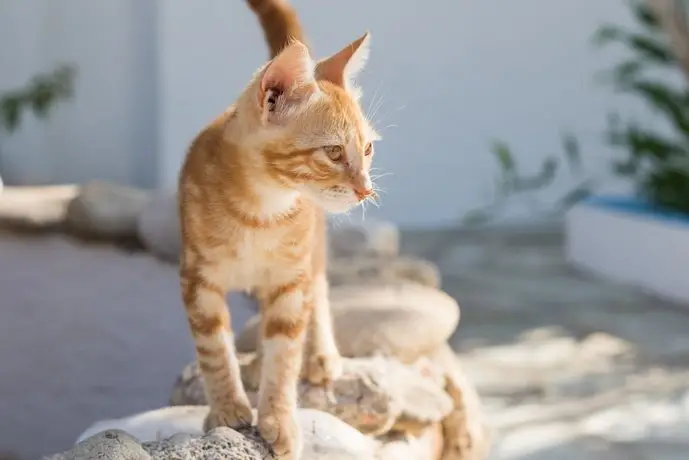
[337, 199]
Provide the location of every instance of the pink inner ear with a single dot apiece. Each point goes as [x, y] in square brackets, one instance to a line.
[333, 69]
[291, 68]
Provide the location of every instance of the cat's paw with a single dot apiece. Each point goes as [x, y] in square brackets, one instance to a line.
[236, 415]
[283, 433]
[323, 369]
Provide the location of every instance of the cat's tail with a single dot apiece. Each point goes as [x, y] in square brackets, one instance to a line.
[279, 22]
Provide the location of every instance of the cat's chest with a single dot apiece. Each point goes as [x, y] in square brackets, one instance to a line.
[257, 256]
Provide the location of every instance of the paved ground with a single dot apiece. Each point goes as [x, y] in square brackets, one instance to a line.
[569, 367]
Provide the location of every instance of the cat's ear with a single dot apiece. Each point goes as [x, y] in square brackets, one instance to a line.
[342, 67]
[287, 83]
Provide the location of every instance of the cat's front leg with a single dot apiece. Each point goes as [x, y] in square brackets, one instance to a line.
[209, 320]
[322, 361]
[285, 314]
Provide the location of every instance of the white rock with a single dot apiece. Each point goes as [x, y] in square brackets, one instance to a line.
[155, 424]
[43, 207]
[325, 436]
[106, 210]
[158, 227]
[400, 320]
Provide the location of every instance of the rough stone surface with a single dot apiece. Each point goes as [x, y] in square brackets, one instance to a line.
[465, 430]
[105, 210]
[402, 320]
[398, 446]
[218, 444]
[111, 445]
[36, 208]
[364, 269]
[373, 395]
[158, 227]
[370, 237]
[176, 432]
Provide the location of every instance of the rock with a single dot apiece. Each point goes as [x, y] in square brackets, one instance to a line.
[427, 446]
[112, 444]
[370, 237]
[159, 227]
[36, 208]
[373, 395]
[175, 432]
[382, 270]
[327, 437]
[406, 321]
[219, 443]
[106, 211]
[154, 424]
[466, 432]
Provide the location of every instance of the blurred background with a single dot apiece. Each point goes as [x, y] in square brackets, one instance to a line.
[535, 152]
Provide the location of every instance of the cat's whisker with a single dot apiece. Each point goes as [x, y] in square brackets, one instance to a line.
[378, 176]
[373, 100]
[386, 114]
[371, 115]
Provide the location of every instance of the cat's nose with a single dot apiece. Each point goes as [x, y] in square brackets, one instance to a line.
[363, 191]
[362, 186]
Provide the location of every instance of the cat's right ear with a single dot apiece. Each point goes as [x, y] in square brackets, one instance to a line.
[287, 83]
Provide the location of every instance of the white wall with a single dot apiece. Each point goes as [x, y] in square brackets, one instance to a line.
[452, 75]
[108, 130]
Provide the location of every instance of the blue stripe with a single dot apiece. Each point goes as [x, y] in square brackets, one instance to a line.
[636, 206]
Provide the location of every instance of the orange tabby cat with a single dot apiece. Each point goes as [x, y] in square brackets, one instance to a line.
[252, 192]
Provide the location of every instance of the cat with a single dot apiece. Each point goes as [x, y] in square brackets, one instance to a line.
[253, 191]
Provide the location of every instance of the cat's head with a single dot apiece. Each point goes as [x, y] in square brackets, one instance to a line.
[314, 135]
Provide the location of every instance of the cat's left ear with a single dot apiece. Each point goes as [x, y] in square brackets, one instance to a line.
[342, 67]
[287, 83]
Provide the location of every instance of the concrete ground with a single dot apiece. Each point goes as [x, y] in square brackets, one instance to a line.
[570, 367]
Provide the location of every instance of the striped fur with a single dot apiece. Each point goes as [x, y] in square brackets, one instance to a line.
[253, 190]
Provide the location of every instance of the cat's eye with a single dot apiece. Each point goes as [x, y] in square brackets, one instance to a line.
[334, 152]
[369, 149]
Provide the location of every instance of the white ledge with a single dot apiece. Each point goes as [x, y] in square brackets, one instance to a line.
[630, 242]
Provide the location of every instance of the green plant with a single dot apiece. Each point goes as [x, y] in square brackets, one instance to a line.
[511, 183]
[657, 162]
[40, 95]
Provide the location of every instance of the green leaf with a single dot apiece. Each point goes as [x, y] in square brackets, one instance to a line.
[544, 178]
[476, 218]
[646, 144]
[11, 111]
[626, 168]
[505, 158]
[570, 145]
[645, 15]
[652, 49]
[608, 34]
[668, 189]
[648, 47]
[574, 196]
[665, 100]
[622, 73]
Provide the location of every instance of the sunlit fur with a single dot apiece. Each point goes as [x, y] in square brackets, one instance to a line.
[252, 192]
